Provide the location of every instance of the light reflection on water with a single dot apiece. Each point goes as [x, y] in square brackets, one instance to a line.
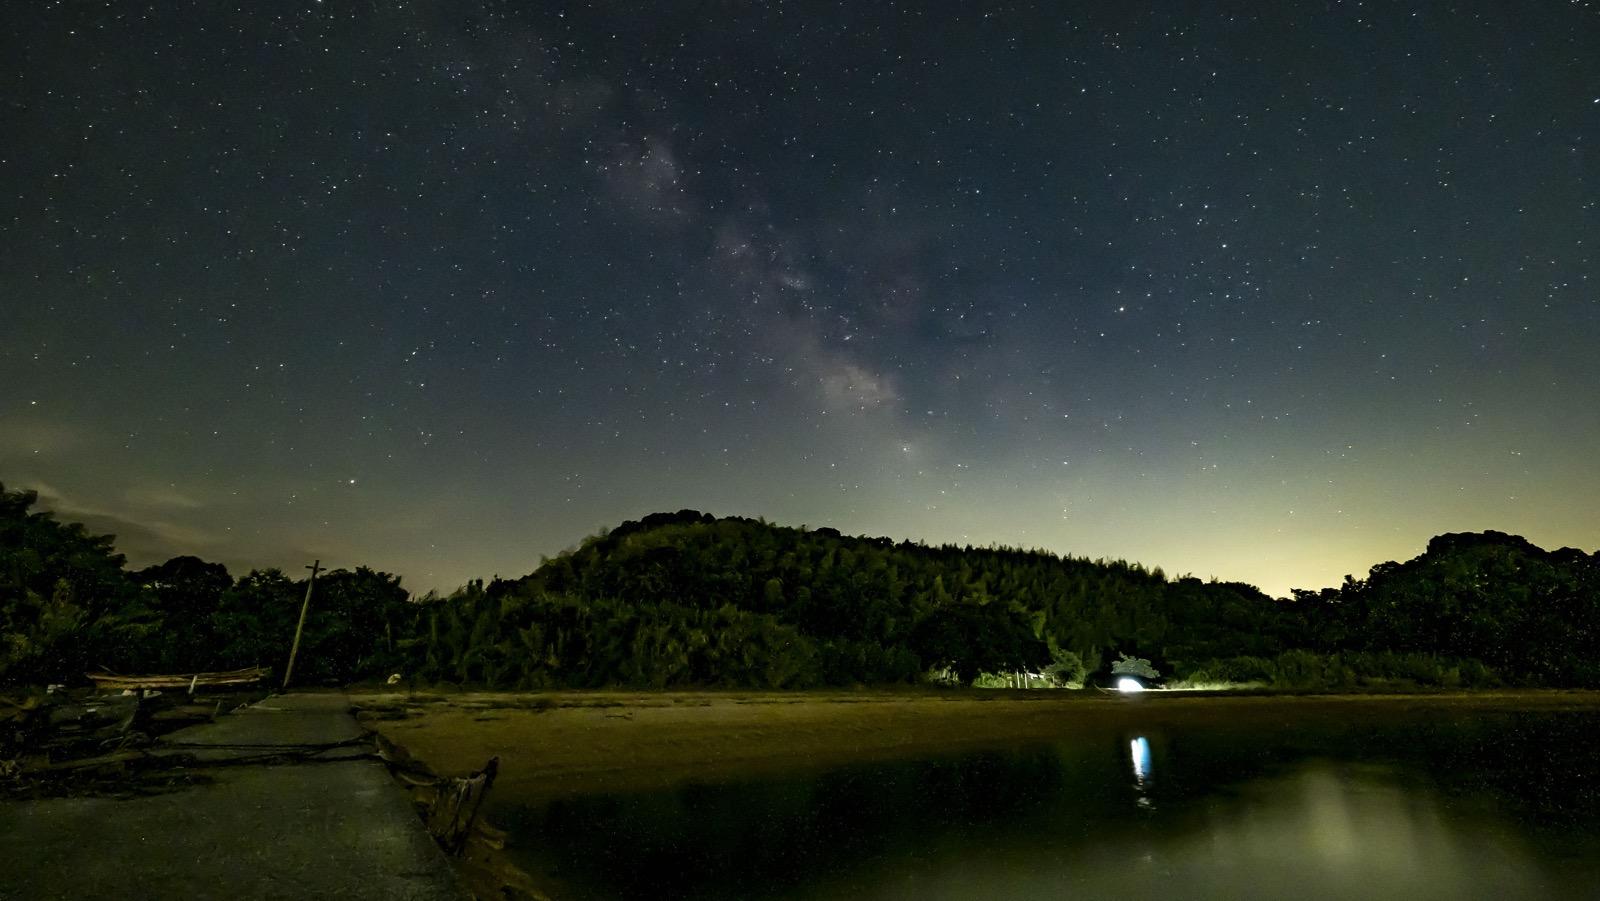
[1480, 807]
[1139, 753]
[1319, 835]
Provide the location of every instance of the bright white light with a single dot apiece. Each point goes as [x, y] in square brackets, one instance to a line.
[1139, 750]
[1129, 685]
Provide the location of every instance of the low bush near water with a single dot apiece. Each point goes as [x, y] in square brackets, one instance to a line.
[1301, 670]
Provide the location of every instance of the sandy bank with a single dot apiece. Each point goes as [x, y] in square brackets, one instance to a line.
[555, 744]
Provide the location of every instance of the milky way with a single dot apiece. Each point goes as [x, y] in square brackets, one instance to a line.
[443, 287]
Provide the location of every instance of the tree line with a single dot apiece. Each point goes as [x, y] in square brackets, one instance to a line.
[688, 599]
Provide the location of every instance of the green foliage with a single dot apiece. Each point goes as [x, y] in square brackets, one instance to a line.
[1531, 614]
[64, 598]
[184, 592]
[687, 599]
[355, 628]
[67, 605]
[971, 638]
[1303, 670]
[1066, 669]
[1134, 666]
[255, 620]
[351, 631]
[37, 630]
[533, 639]
[962, 609]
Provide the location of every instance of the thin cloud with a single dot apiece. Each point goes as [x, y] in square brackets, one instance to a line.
[137, 537]
[27, 438]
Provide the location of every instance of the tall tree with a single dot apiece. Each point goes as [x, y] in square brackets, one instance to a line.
[186, 593]
[66, 603]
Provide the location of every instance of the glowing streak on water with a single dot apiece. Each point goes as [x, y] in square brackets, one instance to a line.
[1139, 750]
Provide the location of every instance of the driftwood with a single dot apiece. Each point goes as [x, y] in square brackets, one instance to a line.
[250, 675]
[97, 720]
[90, 763]
[58, 727]
[57, 731]
[448, 805]
[43, 737]
[455, 807]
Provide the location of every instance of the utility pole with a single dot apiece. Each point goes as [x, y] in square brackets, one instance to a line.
[304, 606]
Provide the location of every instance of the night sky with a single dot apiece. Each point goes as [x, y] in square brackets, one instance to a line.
[1268, 292]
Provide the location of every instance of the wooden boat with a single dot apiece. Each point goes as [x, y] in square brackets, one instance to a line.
[250, 675]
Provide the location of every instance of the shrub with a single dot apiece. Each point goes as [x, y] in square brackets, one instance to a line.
[1134, 666]
[1066, 669]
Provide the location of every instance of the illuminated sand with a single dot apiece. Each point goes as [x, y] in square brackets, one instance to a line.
[555, 744]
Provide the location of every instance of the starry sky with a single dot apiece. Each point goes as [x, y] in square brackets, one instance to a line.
[1269, 292]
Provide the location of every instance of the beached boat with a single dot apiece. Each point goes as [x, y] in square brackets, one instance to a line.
[250, 675]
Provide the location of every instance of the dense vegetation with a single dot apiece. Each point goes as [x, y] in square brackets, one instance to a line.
[68, 605]
[688, 599]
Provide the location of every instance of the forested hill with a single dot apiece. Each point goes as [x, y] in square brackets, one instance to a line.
[688, 599]
[1532, 614]
[878, 610]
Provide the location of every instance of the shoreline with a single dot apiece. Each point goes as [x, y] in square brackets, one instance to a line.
[555, 745]
[560, 744]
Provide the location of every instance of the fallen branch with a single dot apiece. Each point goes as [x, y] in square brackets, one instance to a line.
[250, 675]
[455, 807]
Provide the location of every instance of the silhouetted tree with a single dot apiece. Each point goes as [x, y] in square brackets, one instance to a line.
[66, 603]
[185, 592]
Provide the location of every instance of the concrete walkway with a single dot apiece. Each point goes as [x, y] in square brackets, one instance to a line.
[335, 828]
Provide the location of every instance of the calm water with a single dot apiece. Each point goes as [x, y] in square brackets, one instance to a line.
[1353, 805]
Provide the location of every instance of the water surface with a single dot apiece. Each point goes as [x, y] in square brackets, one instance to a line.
[1349, 804]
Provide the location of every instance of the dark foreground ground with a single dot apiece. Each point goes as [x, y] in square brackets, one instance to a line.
[288, 805]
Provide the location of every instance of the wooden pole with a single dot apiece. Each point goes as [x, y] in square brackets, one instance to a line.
[304, 606]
